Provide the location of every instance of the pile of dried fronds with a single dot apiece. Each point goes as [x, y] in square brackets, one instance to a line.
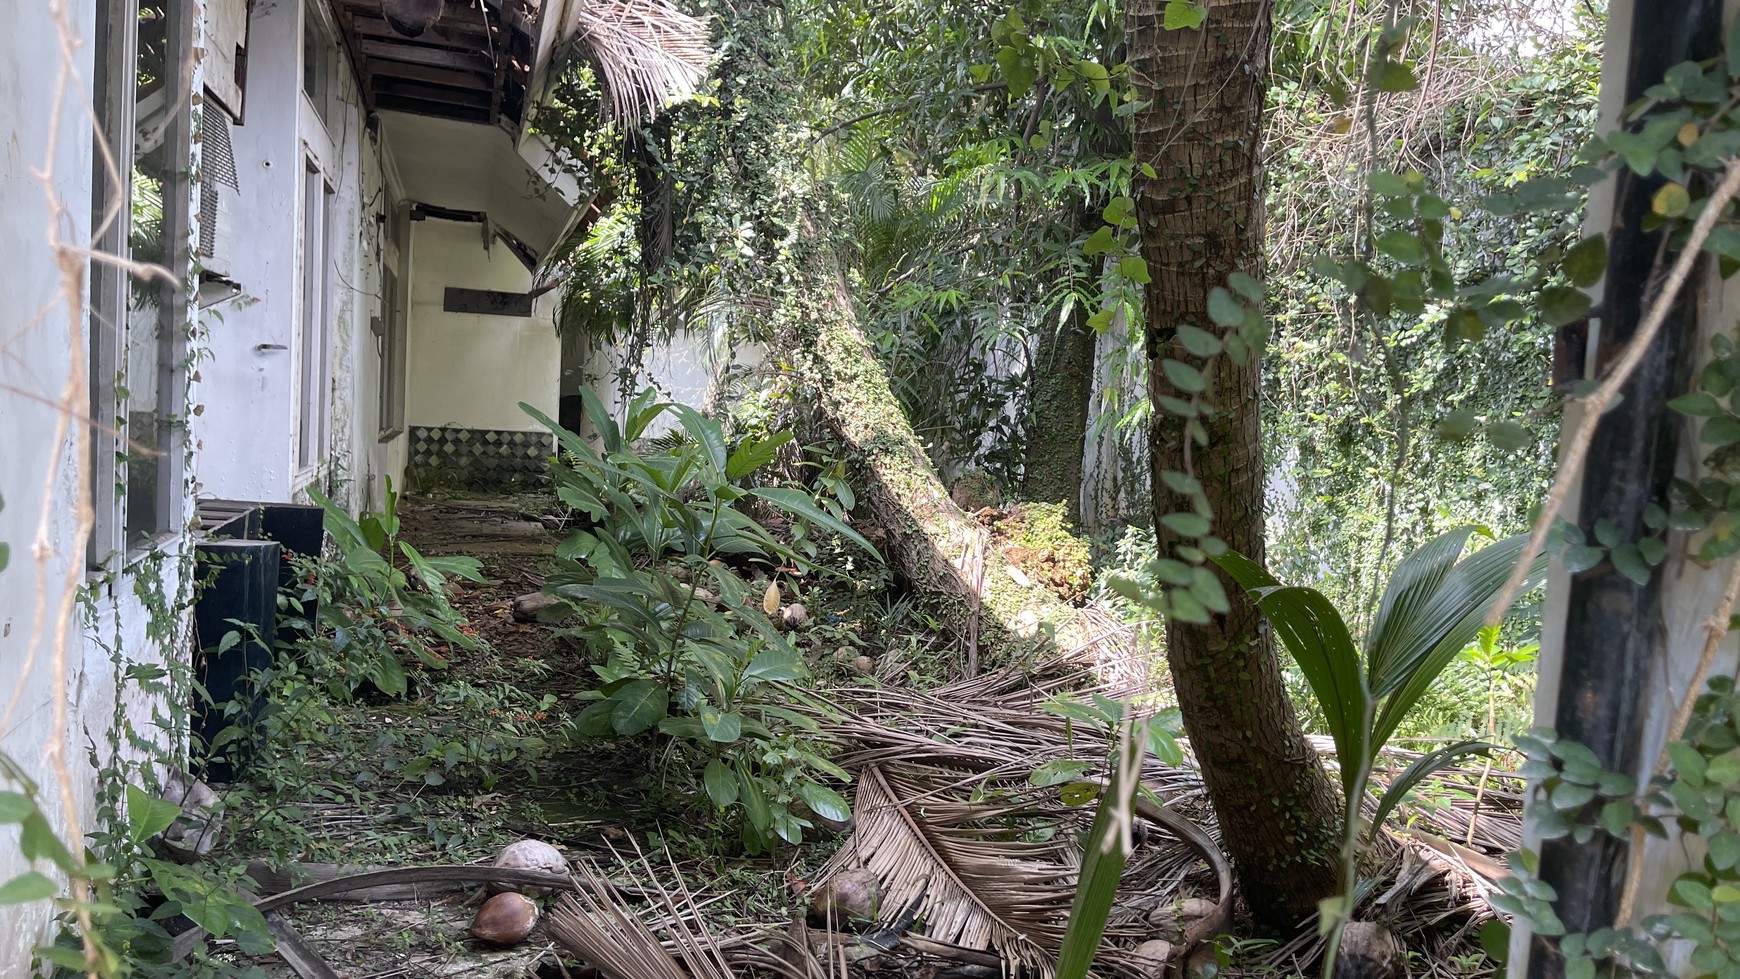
[947, 816]
[955, 835]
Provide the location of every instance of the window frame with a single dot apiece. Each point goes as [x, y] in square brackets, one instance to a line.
[311, 433]
[394, 346]
[115, 120]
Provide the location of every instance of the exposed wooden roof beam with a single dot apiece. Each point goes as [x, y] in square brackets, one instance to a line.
[377, 27]
[434, 57]
[434, 76]
[478, 98]
[445, 110]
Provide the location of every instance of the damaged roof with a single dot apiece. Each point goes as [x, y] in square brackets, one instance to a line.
[487, 61]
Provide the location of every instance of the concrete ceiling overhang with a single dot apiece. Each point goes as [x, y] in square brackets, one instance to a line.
[472, 167]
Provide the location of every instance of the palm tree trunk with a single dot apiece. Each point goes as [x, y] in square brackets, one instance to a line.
[941, 551]
[1201, 218]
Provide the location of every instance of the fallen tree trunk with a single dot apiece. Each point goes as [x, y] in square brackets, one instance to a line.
[940, 549]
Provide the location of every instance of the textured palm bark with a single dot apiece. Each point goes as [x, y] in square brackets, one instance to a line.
[1201, 219]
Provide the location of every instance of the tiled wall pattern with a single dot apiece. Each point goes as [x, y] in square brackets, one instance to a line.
[479, 458]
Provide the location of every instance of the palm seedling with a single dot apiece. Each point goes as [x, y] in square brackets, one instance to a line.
[1433, 606]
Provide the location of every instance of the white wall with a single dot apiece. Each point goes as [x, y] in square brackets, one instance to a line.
[247, 430]
[73, 676]
[468, 370]
[34, 347]
[246, 433]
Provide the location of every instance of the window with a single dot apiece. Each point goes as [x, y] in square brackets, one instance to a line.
[319, 65]
[392, 340]
[314, 400]
[141, 211]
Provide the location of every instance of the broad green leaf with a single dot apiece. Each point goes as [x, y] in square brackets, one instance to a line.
[1586, 262]
[1581, 557]
[1424, 767]
[825, 802]
[721, 784]
[14, 807]
[802, 504]
[639, 705]
[1495, 940]
[1394, 76]
[1100, 242]
[1444, 624]
[1403, 246]
[594, 721]
[1186, 524]
[37, 841]
[1458, 424]
[1721, 430]
[706, 432]
[1102, 864]
[1163, 745]
[339, 523]
[721, 726]
[1183, 15]
[1314, 633]
[146, 816]
[1225, 310]
[1019, 73]
[1386, 184]
[775, 665]
[1509, 436]
[1698, 404]
[1628, 561]
[1247, 286]
[1396, 630]
[1060, 771]
[751, 454]
[26, 887]
[1183, 376]
[1134, 268]
[1724, 769]
[387, 673]
[1078, 793]
[1562, 304]
[1199, 341]
[754, 801]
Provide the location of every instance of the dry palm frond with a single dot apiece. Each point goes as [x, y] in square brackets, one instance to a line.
[973, 890]
[648, 52]
[592, 924]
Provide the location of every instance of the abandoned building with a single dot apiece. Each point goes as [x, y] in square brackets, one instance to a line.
[283, 244]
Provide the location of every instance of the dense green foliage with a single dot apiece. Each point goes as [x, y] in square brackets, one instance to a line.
[1358, 403]
[682, 641]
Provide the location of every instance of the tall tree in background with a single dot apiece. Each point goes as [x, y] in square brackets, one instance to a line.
[1200, 215]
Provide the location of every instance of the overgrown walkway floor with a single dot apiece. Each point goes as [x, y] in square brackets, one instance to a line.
[478, 755]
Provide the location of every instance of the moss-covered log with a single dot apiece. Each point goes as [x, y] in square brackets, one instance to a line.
[941, 550]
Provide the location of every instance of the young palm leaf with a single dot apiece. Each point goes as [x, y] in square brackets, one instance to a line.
[1433, 606]
[1316, 636]
[1413, 640]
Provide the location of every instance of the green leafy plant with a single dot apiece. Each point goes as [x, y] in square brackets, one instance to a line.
[134, 892]
[1107, 846]
[381, 594]
[1432, 608]
[687, 644]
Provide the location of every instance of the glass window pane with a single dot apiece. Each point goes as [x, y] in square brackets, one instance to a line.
[158, 166]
